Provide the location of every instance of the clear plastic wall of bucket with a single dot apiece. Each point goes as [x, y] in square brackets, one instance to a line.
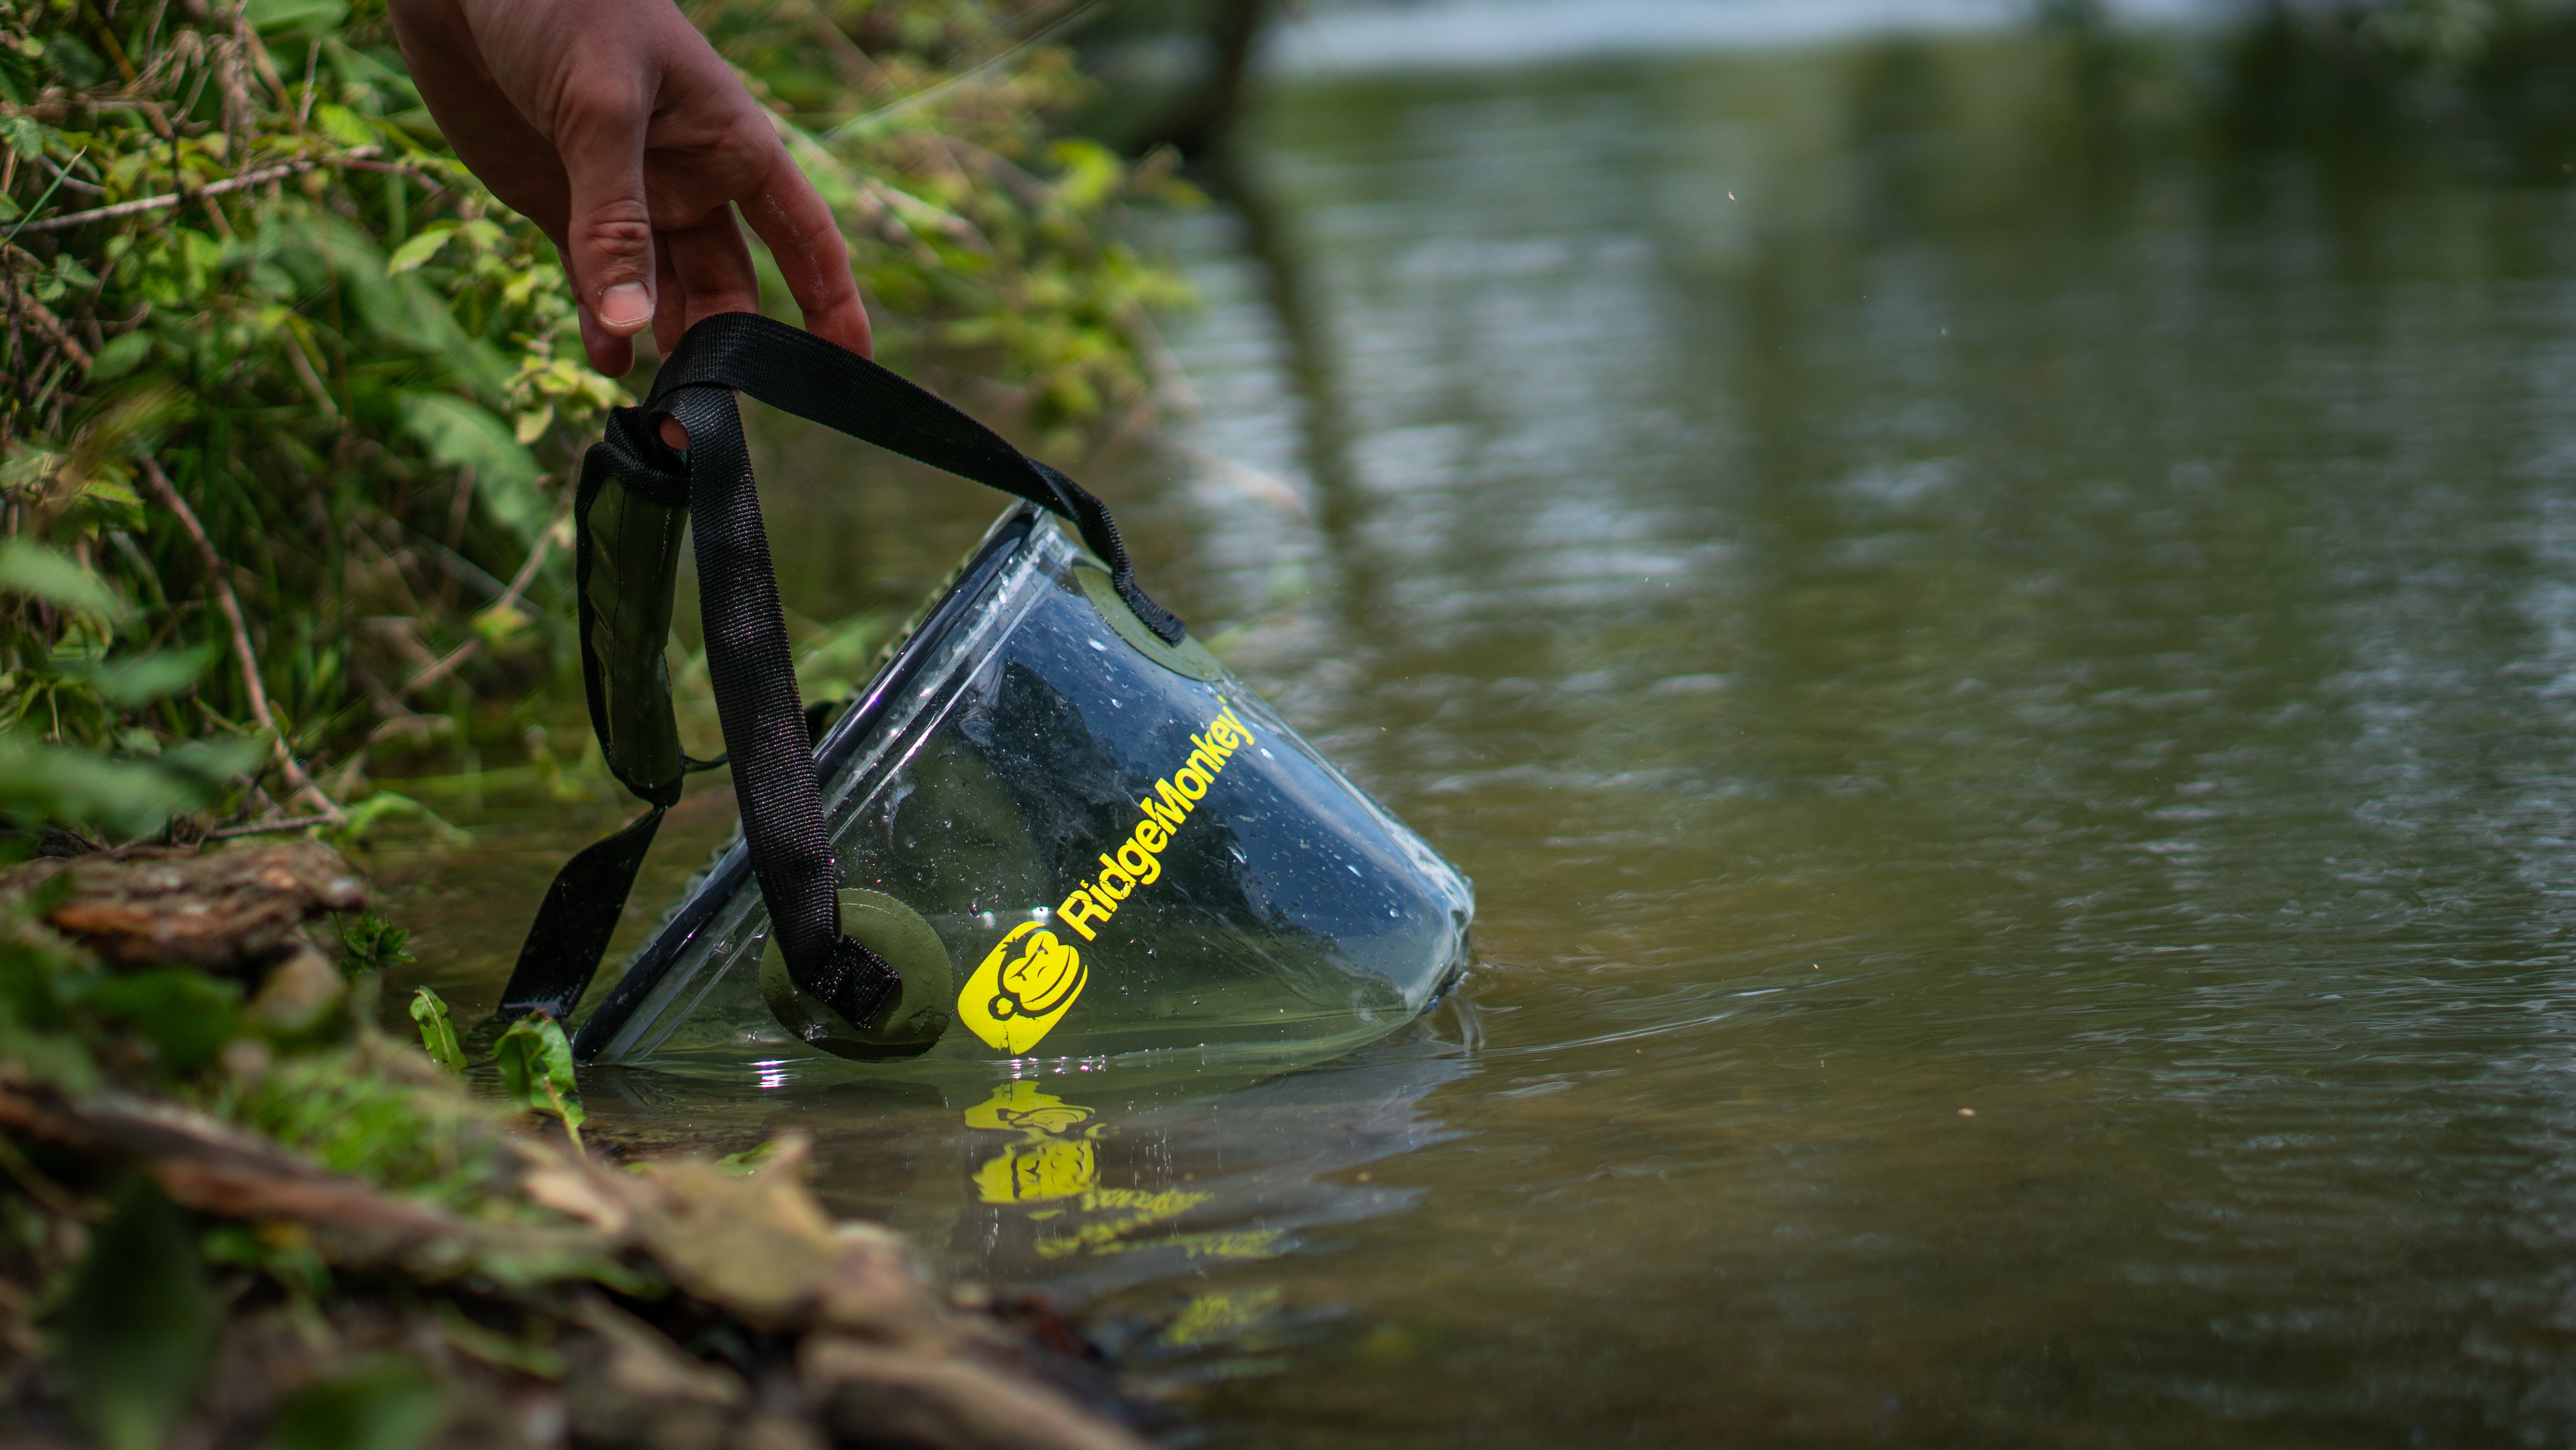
[1073, 841]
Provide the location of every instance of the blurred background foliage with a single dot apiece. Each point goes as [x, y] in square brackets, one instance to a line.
[2341, 75]
[245, 282]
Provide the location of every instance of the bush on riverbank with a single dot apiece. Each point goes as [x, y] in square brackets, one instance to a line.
[289, 405]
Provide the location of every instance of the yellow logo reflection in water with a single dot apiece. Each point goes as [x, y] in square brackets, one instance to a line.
[1023, 989]
[1036, 1172]
[1044, 1164]
[1056, 1162]
[1020, 1108]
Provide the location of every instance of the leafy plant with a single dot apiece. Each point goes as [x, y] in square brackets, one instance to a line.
[82, 689]
[369, 943]
[255, 298]
[536, 1070]
[345, 1111]
[437, 1030]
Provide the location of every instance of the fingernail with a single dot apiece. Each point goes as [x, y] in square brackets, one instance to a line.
[626, 307]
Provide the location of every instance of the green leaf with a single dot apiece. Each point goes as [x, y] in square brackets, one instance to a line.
[302, 19]
[464, 435]
[122, 355]
[29, 568]
[1091, 172]
[26, 136]
[536, 1070]
[418, 250]
[344, 126]
[142, 679]
[185, 1014]
[437, 1030]
[139, 1327]
[385, 805]
[389, 1404]
[500, 624]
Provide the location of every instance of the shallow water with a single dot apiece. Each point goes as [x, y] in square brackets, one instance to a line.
[2009, 691]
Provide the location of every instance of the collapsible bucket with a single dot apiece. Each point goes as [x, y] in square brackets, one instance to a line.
[1052, 826]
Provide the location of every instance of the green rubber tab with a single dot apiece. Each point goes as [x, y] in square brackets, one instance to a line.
[906, 1027]
[633, 547]
[1189, 657]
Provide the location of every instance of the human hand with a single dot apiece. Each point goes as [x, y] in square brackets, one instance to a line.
[613, 125]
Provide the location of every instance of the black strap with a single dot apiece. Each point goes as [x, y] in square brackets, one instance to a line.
[766, 729]
[571, 928]
[822, 382]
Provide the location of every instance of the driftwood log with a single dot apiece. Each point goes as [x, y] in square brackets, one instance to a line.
[234, 913]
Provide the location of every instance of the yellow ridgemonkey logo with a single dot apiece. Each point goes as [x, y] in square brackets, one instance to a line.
[1030, 979]
[1025, 986]
[1042, 1165]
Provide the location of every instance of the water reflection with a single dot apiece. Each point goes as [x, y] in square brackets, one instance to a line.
[1907, 606]
[1083, 1179]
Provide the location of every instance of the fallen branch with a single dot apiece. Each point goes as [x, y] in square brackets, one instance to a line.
[66, 178]
[873, 1395]
[221, 583]
[226, 187]
[270, 828]
[210, 1166]
[230, 912]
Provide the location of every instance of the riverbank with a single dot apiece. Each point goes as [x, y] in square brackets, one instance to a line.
[240, 1212]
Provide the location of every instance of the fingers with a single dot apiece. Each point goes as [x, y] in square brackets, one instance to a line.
[791, 218]
[704, 270]
[710, 268]
[608, 233]
[476, 115]
[609, 353]
[670, 303]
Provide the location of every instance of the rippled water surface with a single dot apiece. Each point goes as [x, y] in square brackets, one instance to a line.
[2010, 695]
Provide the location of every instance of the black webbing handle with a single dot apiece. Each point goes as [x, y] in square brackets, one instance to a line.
[766, 733]
[823, 382]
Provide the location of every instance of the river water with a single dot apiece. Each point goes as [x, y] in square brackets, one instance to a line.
[2006, 676]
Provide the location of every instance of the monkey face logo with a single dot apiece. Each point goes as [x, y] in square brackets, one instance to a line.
[1024, 987]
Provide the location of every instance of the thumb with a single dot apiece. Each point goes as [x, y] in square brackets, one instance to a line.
[608, 235]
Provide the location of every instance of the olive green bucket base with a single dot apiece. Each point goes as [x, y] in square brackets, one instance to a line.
[909, 1025]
